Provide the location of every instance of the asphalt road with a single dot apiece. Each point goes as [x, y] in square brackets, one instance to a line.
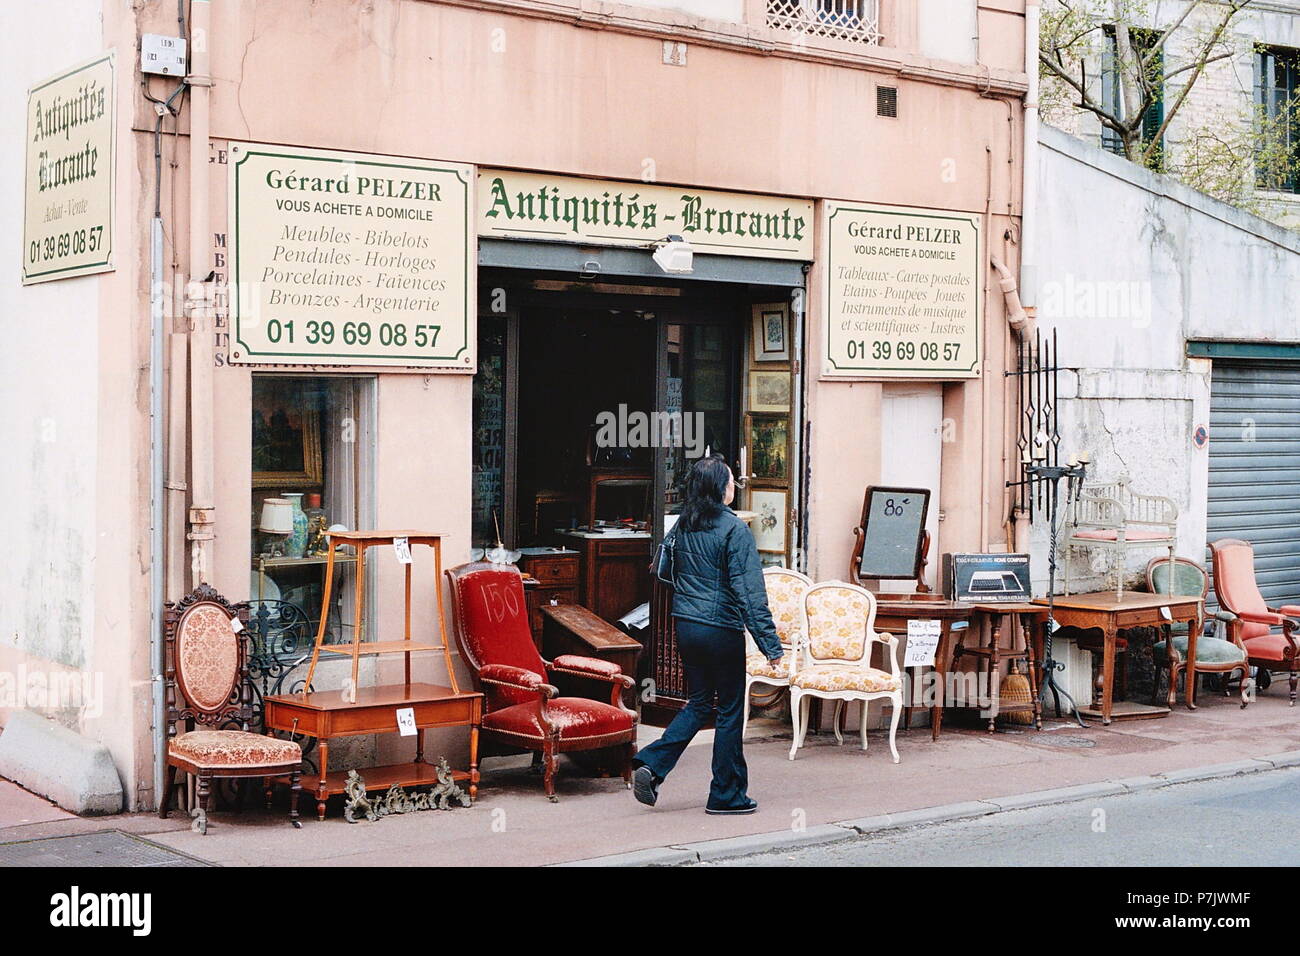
[1234, 821]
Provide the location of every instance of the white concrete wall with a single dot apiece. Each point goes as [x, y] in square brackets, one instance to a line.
[1132, 265]
[49, 381]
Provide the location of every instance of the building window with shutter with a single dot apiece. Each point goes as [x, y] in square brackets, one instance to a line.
[1277, 143]
[1141, 42]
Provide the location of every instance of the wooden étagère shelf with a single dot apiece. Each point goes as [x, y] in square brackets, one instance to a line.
[357, 711]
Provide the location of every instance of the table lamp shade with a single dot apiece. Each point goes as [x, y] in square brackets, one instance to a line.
[277, 516]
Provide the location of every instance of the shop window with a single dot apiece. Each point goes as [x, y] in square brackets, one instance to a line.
[1277, 153]
[312, 464]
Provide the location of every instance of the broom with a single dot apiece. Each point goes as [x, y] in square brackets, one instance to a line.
[1015, 691]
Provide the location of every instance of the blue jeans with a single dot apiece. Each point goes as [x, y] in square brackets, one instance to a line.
[714, 658]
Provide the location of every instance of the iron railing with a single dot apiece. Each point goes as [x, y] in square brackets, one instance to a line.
[856, 20]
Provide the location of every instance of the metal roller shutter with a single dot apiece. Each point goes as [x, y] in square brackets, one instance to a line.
[1254, 487]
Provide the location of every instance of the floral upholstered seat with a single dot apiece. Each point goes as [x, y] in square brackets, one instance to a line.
[833, 661]
[785, 590]
[834, 677]
[207, 685]
[219, 749]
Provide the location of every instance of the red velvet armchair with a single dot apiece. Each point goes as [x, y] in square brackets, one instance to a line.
[1256, 622]
[522, 712]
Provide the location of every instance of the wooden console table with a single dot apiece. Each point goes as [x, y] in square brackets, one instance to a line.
[1111, 616]
[326, 715]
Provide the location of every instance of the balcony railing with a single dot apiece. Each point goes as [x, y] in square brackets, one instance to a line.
[855, 20]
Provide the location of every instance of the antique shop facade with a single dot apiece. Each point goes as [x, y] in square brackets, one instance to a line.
[446, 292]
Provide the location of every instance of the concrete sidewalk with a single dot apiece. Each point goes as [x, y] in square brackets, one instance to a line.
[966, 771]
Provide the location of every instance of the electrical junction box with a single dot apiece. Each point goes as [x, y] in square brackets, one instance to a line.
[162, 55]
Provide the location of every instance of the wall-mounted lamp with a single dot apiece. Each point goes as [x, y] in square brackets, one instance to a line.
[674, 255]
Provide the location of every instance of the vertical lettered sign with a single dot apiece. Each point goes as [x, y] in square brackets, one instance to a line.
[71, 139]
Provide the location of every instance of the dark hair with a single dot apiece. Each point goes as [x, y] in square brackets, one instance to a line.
[706, 486]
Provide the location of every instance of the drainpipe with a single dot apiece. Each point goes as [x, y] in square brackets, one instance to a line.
[202, 499]
[1027, 299]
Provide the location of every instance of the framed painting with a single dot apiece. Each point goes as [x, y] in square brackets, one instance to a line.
[771, 510]
[768, 439]
[772, 332]
[769, 391]
[286, 437]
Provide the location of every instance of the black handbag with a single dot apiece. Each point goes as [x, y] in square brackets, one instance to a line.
[665, 559]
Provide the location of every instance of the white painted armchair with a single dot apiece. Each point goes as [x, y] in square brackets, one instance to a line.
[833, 660]
[785, 591]
[1113, 517]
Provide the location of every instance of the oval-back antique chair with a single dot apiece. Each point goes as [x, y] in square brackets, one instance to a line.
[833, 660]
[1256, 626]
[1214, 655]
[207, 669]
[785, 591]
[522, 712]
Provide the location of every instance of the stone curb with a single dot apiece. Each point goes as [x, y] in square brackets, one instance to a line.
[1039, 798]
[657, 856]
[922, 817]
[1217, 770]
[765, 842]
[849, 829]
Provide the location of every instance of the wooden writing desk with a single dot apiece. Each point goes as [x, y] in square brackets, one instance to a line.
[329, 714]
[1111, 616]
[893, 611]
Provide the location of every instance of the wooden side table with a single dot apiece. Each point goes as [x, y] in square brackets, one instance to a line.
[1031, 619]
[1112, 616]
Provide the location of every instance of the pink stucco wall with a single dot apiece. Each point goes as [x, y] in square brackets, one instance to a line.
[492, 87]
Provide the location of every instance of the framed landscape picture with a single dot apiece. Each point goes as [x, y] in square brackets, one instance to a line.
[286, 437]
[769, 391]
[772, 332]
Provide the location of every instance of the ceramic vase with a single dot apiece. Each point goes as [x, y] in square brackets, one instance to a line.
[295, 546]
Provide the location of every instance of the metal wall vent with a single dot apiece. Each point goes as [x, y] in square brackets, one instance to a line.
[887, 101]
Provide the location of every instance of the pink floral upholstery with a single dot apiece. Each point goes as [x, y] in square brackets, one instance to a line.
[837, 677]
[207, 652]
[227, 749]
[837, 621]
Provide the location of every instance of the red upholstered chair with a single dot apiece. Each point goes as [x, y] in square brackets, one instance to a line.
[522, 712]
[1257, 624]
[207, 684]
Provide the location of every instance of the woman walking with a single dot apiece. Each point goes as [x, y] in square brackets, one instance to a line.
[718, 591]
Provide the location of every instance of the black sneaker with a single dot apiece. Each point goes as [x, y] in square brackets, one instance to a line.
[645, 785]
[734, 811]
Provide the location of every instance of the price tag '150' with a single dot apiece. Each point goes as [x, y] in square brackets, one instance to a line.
[402, 548]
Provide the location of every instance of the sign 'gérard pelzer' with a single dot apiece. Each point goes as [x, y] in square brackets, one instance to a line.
[902, 292]
[350, 259]
[71, 159]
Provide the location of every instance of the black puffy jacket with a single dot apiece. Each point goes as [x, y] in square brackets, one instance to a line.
[718, 580]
